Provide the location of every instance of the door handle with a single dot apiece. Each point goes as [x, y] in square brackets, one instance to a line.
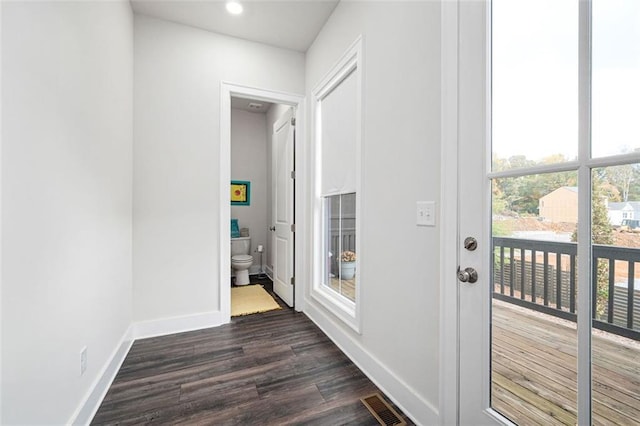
[469, 275]
[272, 228]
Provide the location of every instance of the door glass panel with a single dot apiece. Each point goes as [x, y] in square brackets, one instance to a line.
[534, 83]
[615, 77]
[534, 252]
[615, 204]
[533, 328]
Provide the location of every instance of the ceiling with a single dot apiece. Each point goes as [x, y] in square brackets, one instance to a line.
[250, 105]
[291, 24]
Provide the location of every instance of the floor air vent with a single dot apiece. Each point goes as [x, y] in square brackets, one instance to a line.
[382, 411]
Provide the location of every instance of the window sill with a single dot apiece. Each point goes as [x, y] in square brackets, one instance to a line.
[338, 305]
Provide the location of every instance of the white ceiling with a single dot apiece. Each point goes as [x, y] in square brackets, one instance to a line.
[292, 24]
[243, 104]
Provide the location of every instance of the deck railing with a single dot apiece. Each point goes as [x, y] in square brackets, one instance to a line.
[542, 275]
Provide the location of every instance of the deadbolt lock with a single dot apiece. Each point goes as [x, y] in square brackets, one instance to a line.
[470, 243]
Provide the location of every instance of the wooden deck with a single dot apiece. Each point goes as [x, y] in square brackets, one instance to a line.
[534, 370]
[347, 288]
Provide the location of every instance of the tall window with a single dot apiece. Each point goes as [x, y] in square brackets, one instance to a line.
[337, 146]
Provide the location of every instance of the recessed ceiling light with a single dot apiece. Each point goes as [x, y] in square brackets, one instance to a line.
[234, 8]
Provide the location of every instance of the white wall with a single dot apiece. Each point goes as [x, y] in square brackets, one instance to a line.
[67, 79]
[399, 269]
[249, 160]
[273, 114]
[1, 132]
[178, 70]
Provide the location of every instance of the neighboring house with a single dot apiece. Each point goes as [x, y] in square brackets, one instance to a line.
[560, 205]
[618, 212]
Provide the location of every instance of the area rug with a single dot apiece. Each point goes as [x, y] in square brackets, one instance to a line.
[251, 299]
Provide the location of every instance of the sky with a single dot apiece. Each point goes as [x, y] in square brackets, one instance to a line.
[535, 77]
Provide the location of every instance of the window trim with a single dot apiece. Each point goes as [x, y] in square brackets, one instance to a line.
[340, 306]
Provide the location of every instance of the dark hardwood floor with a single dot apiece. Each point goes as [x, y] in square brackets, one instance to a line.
[272, 368]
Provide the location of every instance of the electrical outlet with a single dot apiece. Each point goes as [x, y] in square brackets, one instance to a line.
[83, 360]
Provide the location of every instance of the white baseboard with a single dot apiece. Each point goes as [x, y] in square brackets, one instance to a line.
[414, 406]
[269, 272]
[164, 326]
[88, 408]
[138, 330]
[417, 408]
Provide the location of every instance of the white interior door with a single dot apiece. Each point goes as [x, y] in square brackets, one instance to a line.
[283, 207]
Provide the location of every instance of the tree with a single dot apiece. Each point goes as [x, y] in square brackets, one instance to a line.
[601, 230]
[634, 184]
[554, 159]
[610, 192]
[621, 177]
[601, 233]
[521, 194]
[498, 204]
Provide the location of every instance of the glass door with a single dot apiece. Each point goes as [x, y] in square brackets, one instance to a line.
[560, 293]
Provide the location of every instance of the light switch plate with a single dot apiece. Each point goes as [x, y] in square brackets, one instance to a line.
[426, 213]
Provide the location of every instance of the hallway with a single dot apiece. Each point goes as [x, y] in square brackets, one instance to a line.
[271, 368]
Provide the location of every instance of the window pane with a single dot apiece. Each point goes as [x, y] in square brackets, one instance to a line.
[615, 205]
[533, 328]
[616, 77]
[535, 82]
[340, 213]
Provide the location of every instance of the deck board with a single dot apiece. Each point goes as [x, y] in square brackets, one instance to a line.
[534, 378]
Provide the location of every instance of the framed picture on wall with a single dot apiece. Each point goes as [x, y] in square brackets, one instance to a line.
[240, 193]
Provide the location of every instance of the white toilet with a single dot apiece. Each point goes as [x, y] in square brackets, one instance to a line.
[241, 260]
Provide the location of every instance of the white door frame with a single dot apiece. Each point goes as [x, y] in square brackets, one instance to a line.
[459, 27]
[448, 378]
[228, 90]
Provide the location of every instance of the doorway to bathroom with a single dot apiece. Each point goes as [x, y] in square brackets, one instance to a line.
[258, 151]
